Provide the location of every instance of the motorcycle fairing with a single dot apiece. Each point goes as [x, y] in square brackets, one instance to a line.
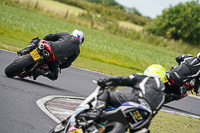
[137, 114]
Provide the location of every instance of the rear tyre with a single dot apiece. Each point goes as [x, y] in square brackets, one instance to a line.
[114, 127]
[16, 67]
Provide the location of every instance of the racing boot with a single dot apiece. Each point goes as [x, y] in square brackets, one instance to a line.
[96, 112]
[101, 104]
[26, 50]
[39, 72]
[196, 90]
[23, 52]
[33, 44]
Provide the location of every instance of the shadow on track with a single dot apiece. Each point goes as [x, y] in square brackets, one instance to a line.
[39, 84]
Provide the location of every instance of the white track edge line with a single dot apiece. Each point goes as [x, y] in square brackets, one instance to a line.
[179, 113]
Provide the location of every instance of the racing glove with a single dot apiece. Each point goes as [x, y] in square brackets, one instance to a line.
[102, 82]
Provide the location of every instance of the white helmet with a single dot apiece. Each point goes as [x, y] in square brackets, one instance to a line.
[79, 34]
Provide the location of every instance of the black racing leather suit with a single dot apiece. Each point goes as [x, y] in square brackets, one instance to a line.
[187, 70]
[146, 90]
[66, 49]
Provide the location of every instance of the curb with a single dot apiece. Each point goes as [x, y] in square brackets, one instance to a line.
[59, 107]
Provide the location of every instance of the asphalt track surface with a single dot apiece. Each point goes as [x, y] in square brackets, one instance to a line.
[20, 113]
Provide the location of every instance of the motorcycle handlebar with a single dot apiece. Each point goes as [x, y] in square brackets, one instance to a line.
[102, 88]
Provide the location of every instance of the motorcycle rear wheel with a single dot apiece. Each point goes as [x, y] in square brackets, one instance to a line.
[16, 67]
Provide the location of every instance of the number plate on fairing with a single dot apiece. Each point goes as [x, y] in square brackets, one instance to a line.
[35, 55]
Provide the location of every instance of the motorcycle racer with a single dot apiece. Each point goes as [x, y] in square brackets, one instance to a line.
[186, 73]
[66, 48]
[147, 89]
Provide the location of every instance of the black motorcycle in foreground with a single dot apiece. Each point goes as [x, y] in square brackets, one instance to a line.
[26, 65]
[88, 118]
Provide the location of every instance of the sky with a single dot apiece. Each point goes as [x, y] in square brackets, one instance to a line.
[150, 8]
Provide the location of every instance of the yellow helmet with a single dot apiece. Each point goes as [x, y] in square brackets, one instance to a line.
[156, 70]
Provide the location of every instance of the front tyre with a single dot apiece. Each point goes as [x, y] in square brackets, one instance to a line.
[15, 68]
[114, 127]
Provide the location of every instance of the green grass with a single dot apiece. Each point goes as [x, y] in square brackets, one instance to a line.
[61, 8]
[58, 7]
[173, 123]
[102, 67]
[98, 45]
[130, 25]
[101, 52]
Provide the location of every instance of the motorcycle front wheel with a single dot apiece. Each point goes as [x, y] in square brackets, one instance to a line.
[114, 127]
[16, 67]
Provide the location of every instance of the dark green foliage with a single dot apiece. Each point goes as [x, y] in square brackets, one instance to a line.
[109, 2]
[179, 22]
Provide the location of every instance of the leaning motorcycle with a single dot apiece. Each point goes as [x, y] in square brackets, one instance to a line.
[177, 93]
[26, 65]
[88, 118]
